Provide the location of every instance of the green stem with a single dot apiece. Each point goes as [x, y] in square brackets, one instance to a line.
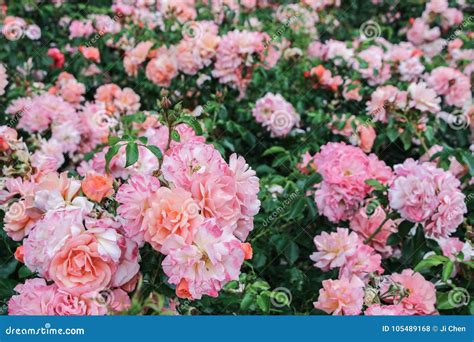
[371, 236]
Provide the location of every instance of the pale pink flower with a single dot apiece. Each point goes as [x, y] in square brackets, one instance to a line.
[186, 161]
[80, 29]
[452, 246]
[276, 114]
[344, 170]
[421, 192]
[420, 32]
[3, 79]
[454, 85]
[423, 98]
[377, 71]
[49, 235]
[234, 58]
[437, 6]
[134, 198]
[334, 249]
[203, 267]
[127, 101]
[383, 100]
[421, 294]
[34, 298]
[411, 69]
[365, 225]
[386, 310]
[341, 296]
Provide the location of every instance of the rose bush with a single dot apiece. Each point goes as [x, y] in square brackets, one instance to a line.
[236, 157]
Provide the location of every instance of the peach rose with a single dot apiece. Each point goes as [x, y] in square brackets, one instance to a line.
[90, 53]
[97, 186]
[171, 212]
[20, 254]
[79, 268]
[248, 251]
[182, 290]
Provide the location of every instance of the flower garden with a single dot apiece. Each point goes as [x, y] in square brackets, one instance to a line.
[236, 157]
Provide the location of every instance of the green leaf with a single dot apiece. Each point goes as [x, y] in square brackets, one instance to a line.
[192, 122]
[273, 150]
[375, 184]
[138, 117]
[404, 228]
[131, 154]
[156, 151]
[447, 270]
[468, 158]
[143, 140]
[24, 272]
[113, 140]
[175, 135]
[247, 301]
[263, 302]
[110, 154]
[6, 288]
[429, 262]
[292, 252]
[8, 268]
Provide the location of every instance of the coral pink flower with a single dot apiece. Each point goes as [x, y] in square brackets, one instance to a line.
[341, 297]
[78, 267]
[421, 294]
[334, 249]
[135, 57]
[163, 68]
[90, 53]
[66, 304]
[97, 186]
[171, 212]
[19, 220]
[127, 101]
[57, 56]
